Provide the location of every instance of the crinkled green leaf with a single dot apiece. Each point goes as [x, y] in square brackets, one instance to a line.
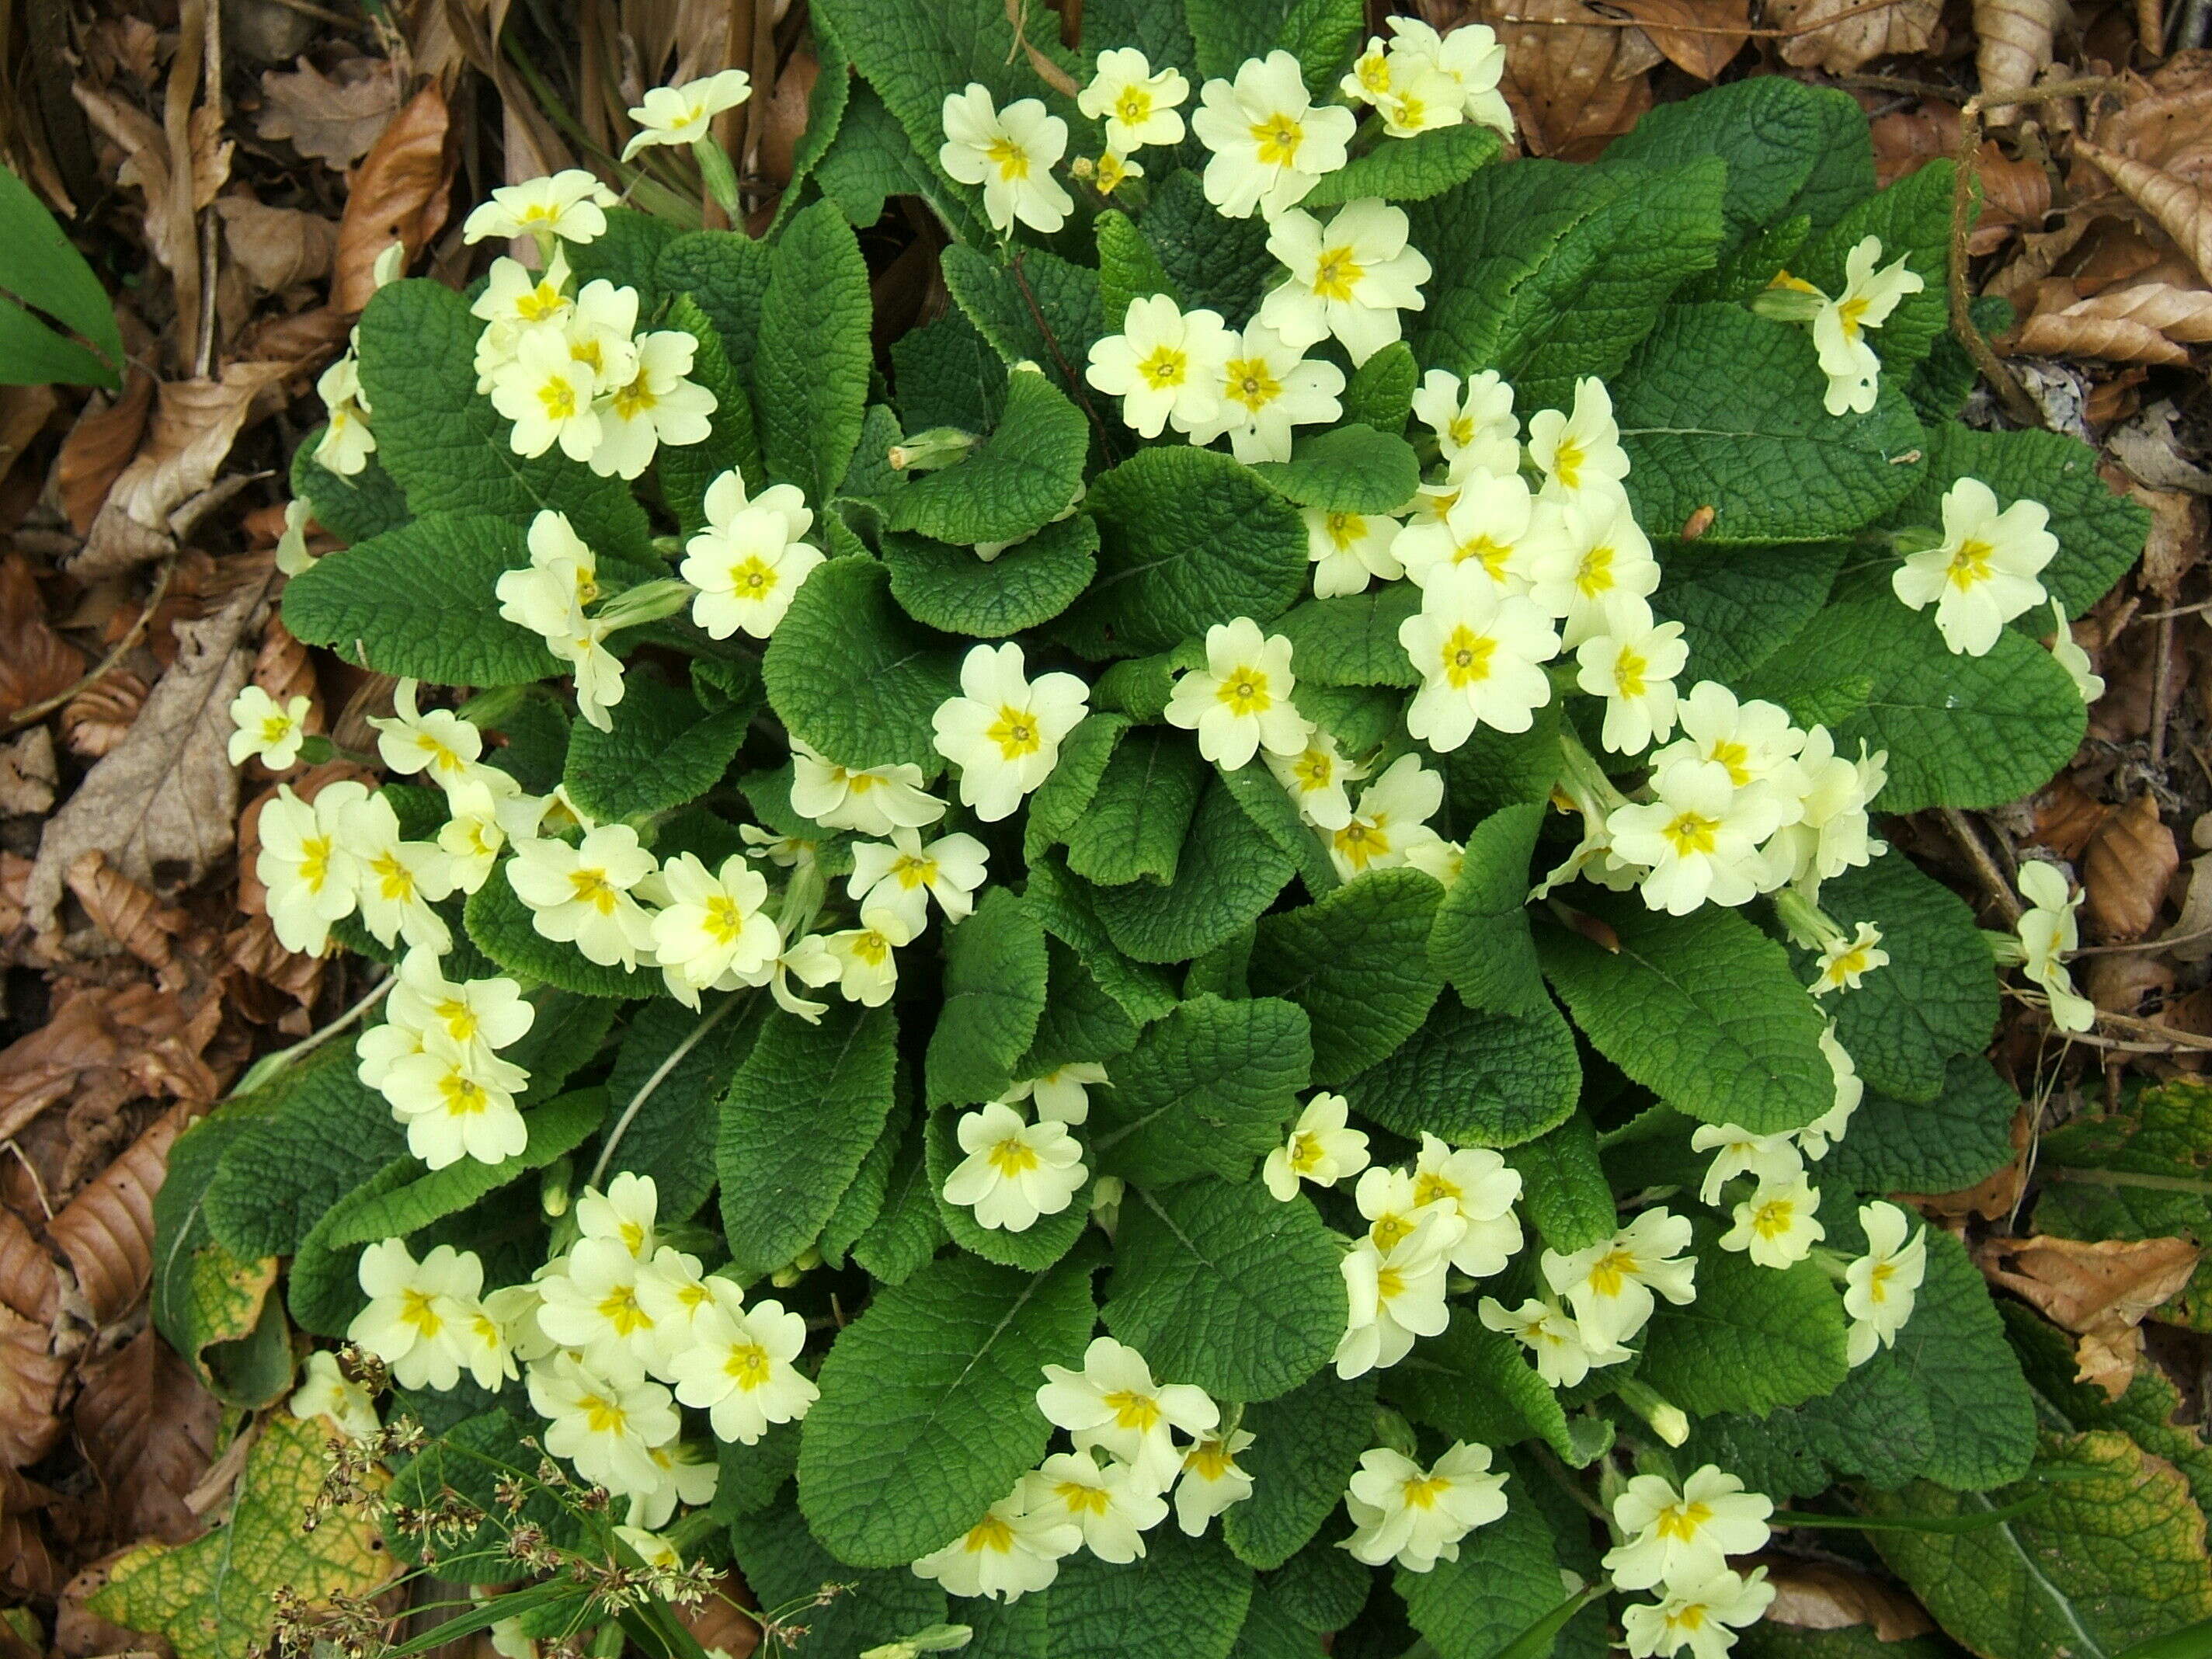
[555, 1129]
[672, 1066]
[324, 1133]
[862, 1202]
[500, 925]
[1476, 1079]
[351, 508]
[1019, 478]
[1187, 538]
[783, 1563]
[1347, 469]
[1474, 1383]
[801, 1113]
[994, 990]
[1207, 1090]
[1273, 812]
[1912, 219]
[1068, 909]
[1754, 444]
[1226, 874]
[1562, 1186]
[1353, 640]
[1506, 1579]
[1738, 606]
[1953, 1349]
[906, 1232]
[664, 750]
[810, 372]
[1703, 1010]
[212, 1307]
[1358, 962]
[1481, 944]
[685, 470]
[928, 1410]
[1062, 799]
[1944, 1144]
[1044, 311]
[1128, 268]
[1219, 1283]
[1135, 825]
[726, 272]
[851, 675]
[1222, 264]
[945, 374]
[1183, 1596]
[1755, 1337]
[1409, 169]
[2146, 1411]
[1081, 1021]
[1304, 1446]
[1380, 392]
[1031, 582]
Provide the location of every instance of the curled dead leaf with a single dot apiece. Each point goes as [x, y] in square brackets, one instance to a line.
[333, 119]
[2144, 323]
[276, 247]
[285, 669]
[2125, 870]
[400, 193]
[149, 1430]
[164, 803]
[2176, 544]
[99, 717]
[30, 1278]
[718, 1622]
[1822, 1595]
[1823, 37]
[785, 118]
[2181, 209]
[106, 1230]
[28, 776]
[27, 1567]
[2013, 46]
[1699, 37]
[80, 1634]
[99, 447]
[35, 662]
[1572, 84]
[30, 1380]
[2099, 1289]
[126, 912]
[268, 985]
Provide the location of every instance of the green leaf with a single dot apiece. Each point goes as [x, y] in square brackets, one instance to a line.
[1031, 582]
[664, 750]
[31, 354]
[1014, 482]
[1474, 1079]
[1040, 309]
[686, 470]
[500, 925]
[1062, 799]
[784, 1564]
[1876, 1426]
[418, 601]
[1912, 218]
[1562, 1186]
[1353, 640]
[1409, 169]
[863, 1201]
[1380, 391]
[1551, 272]
[210, 1306]
[1937, 996]
[2147, 1410]
[1474, 1383]
[812, 372]
[907, 1231]
[1136, 823]
[800, 1115]
[1222, 264]
[322, 1287]
[668, 1076]
[1703, 1010]
[1954, 1351]
[850, 675]
[1496, 768]
[726, 272]
[1225, 876]
[2100, 533]
[555, 1129]
[353, 509]
[1185, 1597]
[2138, 1173]
[2112, 1556]
[1207, 1090]
[38, 264]
[1221, 1285]
[1272, 812]
[1738, 606]
[1068, 909]
[914, 52]
[324, 1133]
[1481, 944]
[1347, 469]
[1304, 1446]
[1756, 1338]
[994, 987]
[448, 447]
[1034, 1248]
[1755, 444]
[1358, 962]
[470, 1458]
[946, 373]
[1944, 1144]
[1081, 1021]
[929, 1409]
[1128, 268]
[1506, 1579]
[1187, 538]
[1960, 731]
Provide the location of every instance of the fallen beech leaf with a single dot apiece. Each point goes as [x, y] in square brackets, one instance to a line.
[400, 193]
[277, 248]
[2122, 984]
[35, 662]
[150, 1432]
[27, 1567]
[145, 165]
[2013, 46]
[1715, 31]
[284, 669]
[216, 1594]
[106, 1230]
[28, 775]
[2181, 209]
[30, 1378]
[269, 985]
[2146, 323]
[2099, 1289]
[333, 119]
[99, 717]
[1572, 85]
[164, 803]
[99, 447]
[1817, 1596]
[2129, 863]
[80, 1634]
[2171, 127]
[1843, 46]
[29, 1277]
[195, 423]
[126, 912]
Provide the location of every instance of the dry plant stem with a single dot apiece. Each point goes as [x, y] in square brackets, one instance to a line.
[1985, 867]
[2129, 1025]
[177, 129]
[2158, 943]
[38, 711]
[2022, 408]
[2161, 693]
[1059, 357]
[210, 226]
[645, 1091]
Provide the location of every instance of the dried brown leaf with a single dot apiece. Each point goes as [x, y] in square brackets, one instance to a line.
[28, 775]
[99, 717]
[2125, 870]
[400, 194]
[149, 1430]
[2013, 46]
[106, 1230]
[195, 423]
[1993, 1197]
[1701, 37]
[1573, 85]
[145, 167]
[30, 1281]
[126, 912]
[1851, 42]
[27, 1567]
[285, 669]
[30, 1379]
[2181, 209]
[276, 247]
[80, 1634]
[164, 803]
[35, 662]
[2143, 323]
[333, 119]
[269, 985]
[719, 1623]
[99, 447]
[1822, 1595]
[2100, 1289]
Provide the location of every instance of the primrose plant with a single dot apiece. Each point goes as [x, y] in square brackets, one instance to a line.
[1203, 956]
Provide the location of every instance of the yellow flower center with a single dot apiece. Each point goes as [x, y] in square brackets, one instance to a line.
[603, 1415]
[1734, 756]
[747, 1366]
[1629, 669]
[1165, 366]
[1209, 1460]
[1390, 1228]
[1305, 1152]
[1016, 732]
[1422, 1491]
[1773, 1219]
[1111, 171]
[1459, 432]
[394, 880]
[1361, 842]
[634, 399]
[1851, 314]
[724, 921]
[592, 887]
[989, 1533]
[461, 1097]
[911, 871]
[1244, 691]
[275, 728]
[1434, 1187]
[1081, 1499]
[1970, 564]
[1389, 1284]
[1691, 832]
[1610, 1274]
[457, 1017]
[1014, 1156]
[1343, 529]
[618, 1307]
[1314, 770]
[1567, 463]
[1681, 1523]
[543, 303]
[1134, 106]
[1878, 1282]
[315, 861]
[872, 947]
[1012, 160]
[1251, 383]
[1467, 657]
[1133, 1410]
[1489, 555]
[1374, 71]
[1337, 275]
[1595, 576]
[420, 1311]
[559, 398]
[1278, 138]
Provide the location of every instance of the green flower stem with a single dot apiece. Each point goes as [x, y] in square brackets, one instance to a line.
[722, 179]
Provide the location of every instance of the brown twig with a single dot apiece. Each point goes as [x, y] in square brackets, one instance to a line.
[2161, 691]
[2023, 409]
[38, 711]
[1985, 867]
